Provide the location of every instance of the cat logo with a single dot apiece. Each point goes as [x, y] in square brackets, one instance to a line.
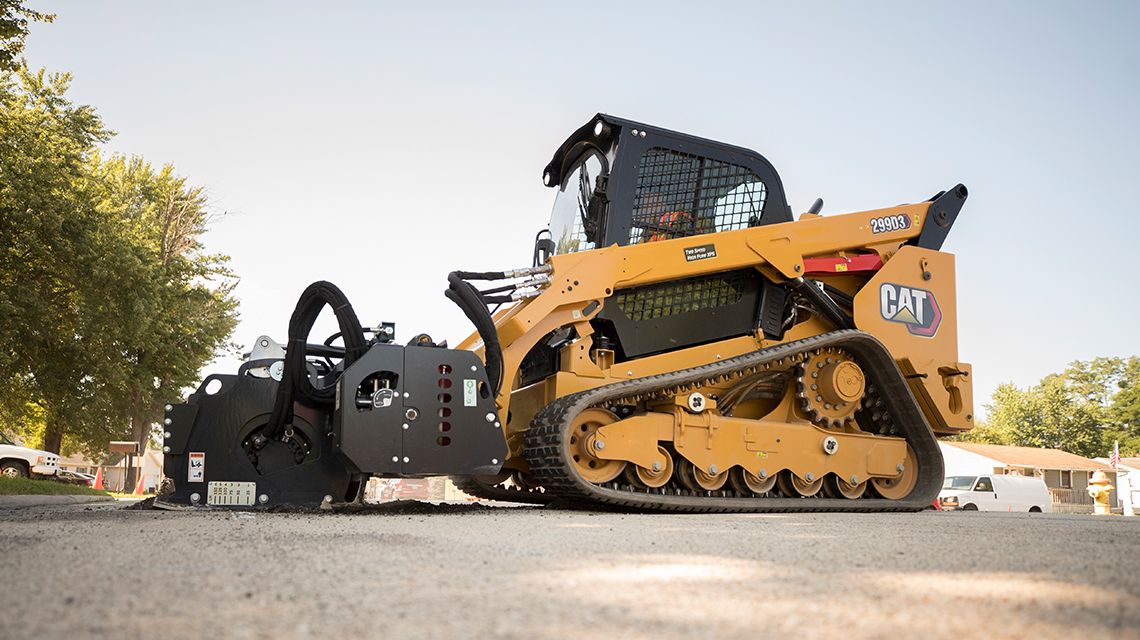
[916, 308]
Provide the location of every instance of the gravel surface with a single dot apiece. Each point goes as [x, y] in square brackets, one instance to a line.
[418, 571]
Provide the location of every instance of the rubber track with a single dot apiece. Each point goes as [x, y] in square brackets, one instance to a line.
[550, 465]
[473, 487]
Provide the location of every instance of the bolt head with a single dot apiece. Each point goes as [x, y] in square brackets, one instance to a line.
[167, 421]
[810, 476]
[195, 498]
[490, 417]
[263, 498]
[712, 469]
[165, 434]
[407, 459]
[395, 458]
[599, 444]
[763, 474]
[900, 467]
[656, 466]
[411, 413]
[854, 479]
[405, 426]
[166, 449]
[494, 461]
[169, 407]
[328, 499]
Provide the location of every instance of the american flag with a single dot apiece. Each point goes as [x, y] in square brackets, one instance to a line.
[1114, 459]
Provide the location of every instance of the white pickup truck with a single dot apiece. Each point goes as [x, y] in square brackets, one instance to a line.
[22, 462]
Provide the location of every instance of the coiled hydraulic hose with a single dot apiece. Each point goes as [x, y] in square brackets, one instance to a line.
[295, 383]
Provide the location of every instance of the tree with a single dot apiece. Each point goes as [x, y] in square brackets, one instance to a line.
[986, 432]
[14, 21]
[108, 305]
[1124, 410]
[184, 307]
[1046, 415]
[57, 261]
[1082, 410]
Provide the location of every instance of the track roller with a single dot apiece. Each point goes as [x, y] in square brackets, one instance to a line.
[793, 487]
[744, 482]
[644, 478]
[695, 479]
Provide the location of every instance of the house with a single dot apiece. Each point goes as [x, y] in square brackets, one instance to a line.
[1065, 474]
[115, 469]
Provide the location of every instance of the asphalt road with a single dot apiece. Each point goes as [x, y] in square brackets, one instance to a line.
[99, 571]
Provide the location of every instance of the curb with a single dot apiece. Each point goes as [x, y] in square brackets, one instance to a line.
[20, 502]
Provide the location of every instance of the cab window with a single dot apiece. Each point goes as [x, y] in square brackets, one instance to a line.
[576, 218]
[681, 194]
[984, 484]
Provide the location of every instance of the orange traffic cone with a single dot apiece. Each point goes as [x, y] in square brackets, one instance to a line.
[139, 485]
[98, 484]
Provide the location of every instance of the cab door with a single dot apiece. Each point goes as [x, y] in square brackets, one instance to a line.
[986, 496]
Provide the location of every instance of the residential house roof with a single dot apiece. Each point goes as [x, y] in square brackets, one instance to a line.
[1131, 463]
[1033, 457]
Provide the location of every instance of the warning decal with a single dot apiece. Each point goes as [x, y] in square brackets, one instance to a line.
[197, 467]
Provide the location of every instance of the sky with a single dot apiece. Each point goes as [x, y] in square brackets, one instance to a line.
[382, 145]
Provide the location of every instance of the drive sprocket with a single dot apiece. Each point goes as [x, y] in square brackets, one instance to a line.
[830, 386]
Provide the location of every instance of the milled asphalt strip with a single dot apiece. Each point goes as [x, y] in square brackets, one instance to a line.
[20, 502]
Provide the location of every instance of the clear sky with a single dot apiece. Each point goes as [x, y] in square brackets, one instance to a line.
[380, 146]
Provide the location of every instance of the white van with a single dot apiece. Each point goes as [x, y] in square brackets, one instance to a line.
[995, 493]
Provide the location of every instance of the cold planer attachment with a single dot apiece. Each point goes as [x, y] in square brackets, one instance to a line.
[399, 410]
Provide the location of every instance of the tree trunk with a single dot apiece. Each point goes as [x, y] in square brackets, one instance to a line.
[53, 433]
[140, 433]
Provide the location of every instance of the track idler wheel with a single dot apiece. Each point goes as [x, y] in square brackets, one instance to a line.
[695, 479]
[581, 447]
[837, 487]
[744, 482]
[900, 486]
[652, 478]
[792, 486]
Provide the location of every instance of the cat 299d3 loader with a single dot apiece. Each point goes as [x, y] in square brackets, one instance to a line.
[680, 343]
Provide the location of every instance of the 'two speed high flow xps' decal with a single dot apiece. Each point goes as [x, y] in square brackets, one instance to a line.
[916, 308]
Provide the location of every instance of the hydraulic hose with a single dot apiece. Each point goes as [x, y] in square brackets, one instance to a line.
[474, 306]
[823, 303]
[295, 383]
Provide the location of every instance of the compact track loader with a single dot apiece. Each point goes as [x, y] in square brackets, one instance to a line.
[680, 343]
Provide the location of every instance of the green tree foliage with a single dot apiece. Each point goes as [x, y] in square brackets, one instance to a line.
[14, 21]
[1125, 409]
[108, 304]
[180, 317]
[1081, 410]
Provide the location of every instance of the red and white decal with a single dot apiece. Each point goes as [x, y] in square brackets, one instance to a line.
[196, 468]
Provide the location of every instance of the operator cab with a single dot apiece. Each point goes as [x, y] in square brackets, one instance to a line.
[624, 182]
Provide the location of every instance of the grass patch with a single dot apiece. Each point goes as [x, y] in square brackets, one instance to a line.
[42, 487]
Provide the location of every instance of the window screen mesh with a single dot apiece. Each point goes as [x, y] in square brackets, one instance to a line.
[679, 195]
[682, 296]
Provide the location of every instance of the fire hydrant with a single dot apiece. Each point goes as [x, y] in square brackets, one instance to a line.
[1099, 488]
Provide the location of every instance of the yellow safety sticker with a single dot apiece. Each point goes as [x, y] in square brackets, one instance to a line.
[841, 267]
